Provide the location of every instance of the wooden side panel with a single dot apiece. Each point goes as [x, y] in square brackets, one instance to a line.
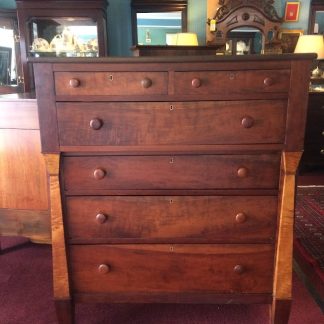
[297, 105]
[60, 268]
[19, 114]
[284, 251]
[44, 83]
[23, 181]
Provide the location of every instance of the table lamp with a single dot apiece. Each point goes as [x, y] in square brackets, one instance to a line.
[312, 44]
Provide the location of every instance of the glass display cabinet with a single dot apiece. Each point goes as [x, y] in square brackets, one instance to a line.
[61, 28]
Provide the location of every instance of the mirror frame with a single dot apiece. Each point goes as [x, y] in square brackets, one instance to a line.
[316, 5]
[138, 6]
[5, 89]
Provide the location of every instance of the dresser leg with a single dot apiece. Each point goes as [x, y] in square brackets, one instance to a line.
[280, 311]
[64, 311]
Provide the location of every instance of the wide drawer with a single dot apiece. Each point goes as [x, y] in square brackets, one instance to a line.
[172, 172]
[110, 83]
[172, 218]
[232, 82]
[166, 123]
[171, 268]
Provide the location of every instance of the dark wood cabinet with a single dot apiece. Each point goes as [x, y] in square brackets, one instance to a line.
[313, 157]
[68, 28]
[172, 179]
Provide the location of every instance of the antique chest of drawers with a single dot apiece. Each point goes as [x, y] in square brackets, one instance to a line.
[172, 179]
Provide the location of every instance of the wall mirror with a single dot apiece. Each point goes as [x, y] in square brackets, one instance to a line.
[10, 67]
[153, 20]
[244, 40]
[316, 17]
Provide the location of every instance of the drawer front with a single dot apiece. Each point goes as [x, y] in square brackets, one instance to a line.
[172, 172]
[232, 82]
[171, 268]
[158, 123]
[314, 153]
[171, 218]
[110, 83]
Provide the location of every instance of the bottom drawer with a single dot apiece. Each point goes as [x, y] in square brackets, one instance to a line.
[165, 268]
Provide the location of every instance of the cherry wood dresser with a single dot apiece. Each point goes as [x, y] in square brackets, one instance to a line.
[173, 179]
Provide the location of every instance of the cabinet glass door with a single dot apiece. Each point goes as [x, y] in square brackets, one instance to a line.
[67, 37]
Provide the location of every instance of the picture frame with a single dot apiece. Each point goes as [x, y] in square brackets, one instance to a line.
[5, 65]
[289, 38]
[292, 11]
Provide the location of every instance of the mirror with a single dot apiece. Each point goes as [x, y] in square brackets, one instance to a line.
[10, 77]
[151, 21]
[244, 40]
[316, 20]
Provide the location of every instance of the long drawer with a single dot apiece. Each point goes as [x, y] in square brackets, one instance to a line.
[172, 172]
[111, 83]
[171, 268]
[167, 123]
[172, 218]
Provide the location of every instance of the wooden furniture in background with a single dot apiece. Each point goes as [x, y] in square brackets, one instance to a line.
[160, 50]
[50, 13]
[311, 169]
[24, 203]
[188, 162]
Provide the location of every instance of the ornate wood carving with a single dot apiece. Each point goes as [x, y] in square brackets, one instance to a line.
[232, 14]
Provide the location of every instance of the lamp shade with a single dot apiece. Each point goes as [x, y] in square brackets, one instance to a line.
[188, 39]
[311, 44]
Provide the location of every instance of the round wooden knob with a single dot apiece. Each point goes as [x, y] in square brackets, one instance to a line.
[101, 218]
[268, 81]
[104, 268]
[74, 83]
[239, 269]
[242, 172]
[99, 174]
[95, 123]
[196, 83]
[146, 83]
[247, 122]
[240, 218]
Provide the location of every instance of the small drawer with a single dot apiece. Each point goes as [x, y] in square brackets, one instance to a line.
[172, 172]
[171, 268]
[110, 83]
[172, 218]
[232, 82]
[166, 123]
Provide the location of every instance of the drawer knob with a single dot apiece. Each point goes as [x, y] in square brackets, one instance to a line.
[104, 268]
[322, 151]
[239, 269]
[146, 83]
[74, 83]
[95, 123]
[268, 81]
[101, 218]
[99, 174]
[247, 122]
[240, 218]
[196, 83]
[242, 172]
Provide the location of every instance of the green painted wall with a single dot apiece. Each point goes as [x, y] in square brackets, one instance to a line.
[119, 21]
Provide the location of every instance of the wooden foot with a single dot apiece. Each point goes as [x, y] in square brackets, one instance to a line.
[64, 311]
[280, 311]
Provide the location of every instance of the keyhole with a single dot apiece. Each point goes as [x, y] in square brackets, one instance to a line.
[172, 160]
[110, 77]
[171, 107]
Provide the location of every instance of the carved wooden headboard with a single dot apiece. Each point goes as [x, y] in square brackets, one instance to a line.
[233, 14]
